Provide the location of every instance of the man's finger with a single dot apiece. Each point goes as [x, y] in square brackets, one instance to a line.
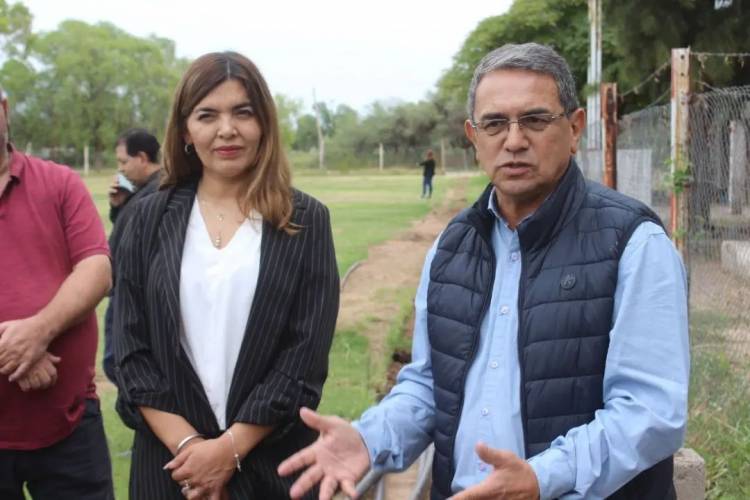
[54, 359]
[24, 385]
[348, 487]
[476, 492]
[20, 371]
[316, 421]
[493, 456]
[301, 459]
[307, 480]
[328, 487]
[44, 379]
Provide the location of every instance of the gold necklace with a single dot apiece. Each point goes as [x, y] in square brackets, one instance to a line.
[220, 217]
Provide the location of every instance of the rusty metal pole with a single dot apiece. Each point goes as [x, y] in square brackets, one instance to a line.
[609, 134]
[680, 164]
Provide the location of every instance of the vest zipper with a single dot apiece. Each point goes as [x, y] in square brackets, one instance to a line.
[519, 335]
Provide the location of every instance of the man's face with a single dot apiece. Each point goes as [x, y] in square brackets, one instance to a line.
[524, 165]
[133, 167]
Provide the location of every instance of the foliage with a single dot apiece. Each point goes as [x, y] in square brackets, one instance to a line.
[562, 24]
[83, 84]
[645, 41]
[719, 426]
[15, 28]
[287, 110]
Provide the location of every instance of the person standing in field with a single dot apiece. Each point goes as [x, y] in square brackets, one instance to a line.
[54, 270]
[428, 172]
[226, 298]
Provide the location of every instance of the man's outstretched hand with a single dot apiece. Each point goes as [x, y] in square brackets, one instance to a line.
[512, 478]
[338, 458]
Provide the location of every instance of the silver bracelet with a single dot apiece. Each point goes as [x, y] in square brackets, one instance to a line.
[234, 451]
[186, 440]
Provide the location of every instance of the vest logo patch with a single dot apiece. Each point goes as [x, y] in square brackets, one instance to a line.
[568, 281]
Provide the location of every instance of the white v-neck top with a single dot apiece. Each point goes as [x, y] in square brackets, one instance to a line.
[217, 287]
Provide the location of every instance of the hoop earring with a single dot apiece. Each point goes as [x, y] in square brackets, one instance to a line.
[189, 149]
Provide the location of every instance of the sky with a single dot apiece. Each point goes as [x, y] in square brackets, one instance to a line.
[350, 52]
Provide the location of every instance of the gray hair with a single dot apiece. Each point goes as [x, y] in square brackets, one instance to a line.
[532, 57]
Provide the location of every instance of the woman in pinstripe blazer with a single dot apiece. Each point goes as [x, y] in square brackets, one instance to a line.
[227, 297]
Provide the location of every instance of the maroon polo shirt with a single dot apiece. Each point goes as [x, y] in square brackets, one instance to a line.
[48, 223]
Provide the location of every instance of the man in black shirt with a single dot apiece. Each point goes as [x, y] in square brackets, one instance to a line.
[428, 173]
[137, 154]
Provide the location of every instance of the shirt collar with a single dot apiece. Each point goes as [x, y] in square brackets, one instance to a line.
[492, 207]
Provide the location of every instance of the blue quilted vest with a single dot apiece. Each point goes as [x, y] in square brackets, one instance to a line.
[571, 247]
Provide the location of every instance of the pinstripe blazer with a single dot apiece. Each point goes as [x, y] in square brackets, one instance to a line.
[283, 359]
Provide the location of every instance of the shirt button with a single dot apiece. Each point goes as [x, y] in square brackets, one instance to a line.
[493, 365]
[504, 310]
[485, 412]
[514, 256]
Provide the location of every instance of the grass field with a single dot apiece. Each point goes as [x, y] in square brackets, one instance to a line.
[365, 210]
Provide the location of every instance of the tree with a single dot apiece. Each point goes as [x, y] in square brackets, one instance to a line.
[306, 137]
[91, 82]
[561, 24]
[15, 29]
[287, 110]
[645, 40]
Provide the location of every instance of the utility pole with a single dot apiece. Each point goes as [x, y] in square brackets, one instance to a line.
[321, 139]
[593, 100]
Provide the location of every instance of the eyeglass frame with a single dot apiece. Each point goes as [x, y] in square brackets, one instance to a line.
[521, 127]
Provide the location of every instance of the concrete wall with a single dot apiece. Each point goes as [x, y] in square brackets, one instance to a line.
[735, 257]
[689, 475]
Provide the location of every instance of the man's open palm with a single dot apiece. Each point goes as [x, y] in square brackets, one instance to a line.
[338, 458]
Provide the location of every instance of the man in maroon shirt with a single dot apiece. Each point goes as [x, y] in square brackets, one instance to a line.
[54, 269]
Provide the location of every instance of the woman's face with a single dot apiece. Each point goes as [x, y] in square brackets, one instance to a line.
[224, 130]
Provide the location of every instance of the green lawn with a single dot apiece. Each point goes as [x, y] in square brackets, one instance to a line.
[719, 426]
[366, 209]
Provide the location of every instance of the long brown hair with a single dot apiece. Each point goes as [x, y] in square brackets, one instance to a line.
[267, 186]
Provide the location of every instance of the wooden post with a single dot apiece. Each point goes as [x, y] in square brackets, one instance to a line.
[442, 155]
[609, 134]
[86, 159]
[738, 163]
[680, 165]
[321, 138]
[381, 156]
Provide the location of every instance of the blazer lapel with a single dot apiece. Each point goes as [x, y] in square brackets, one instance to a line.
[171, 234]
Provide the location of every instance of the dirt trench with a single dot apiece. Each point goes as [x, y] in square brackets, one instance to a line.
[371, 288]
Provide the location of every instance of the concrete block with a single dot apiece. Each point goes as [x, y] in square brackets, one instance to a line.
[689, 475]
[735, 257]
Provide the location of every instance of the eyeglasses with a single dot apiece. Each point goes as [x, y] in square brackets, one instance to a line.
[536, 123]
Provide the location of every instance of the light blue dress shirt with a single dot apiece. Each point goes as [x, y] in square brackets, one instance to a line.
[645, 380]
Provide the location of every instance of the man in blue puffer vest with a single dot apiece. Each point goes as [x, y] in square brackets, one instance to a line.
[550, 355]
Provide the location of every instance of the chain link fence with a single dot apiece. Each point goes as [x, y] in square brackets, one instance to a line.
[718, 239]
[717, 257]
